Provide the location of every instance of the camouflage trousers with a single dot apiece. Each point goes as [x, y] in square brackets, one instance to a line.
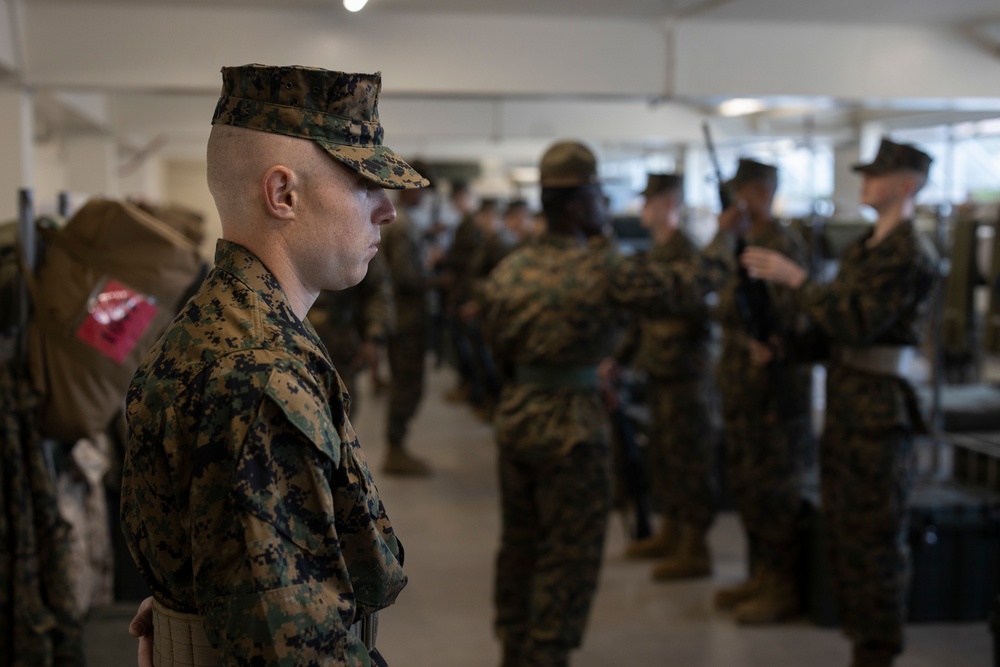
[406, 352]
[763, 455]
[554, 517]
[680, 451]
[866, 483]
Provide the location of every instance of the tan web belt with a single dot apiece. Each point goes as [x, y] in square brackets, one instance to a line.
[558, 377]
[179, 639]
[894, 360]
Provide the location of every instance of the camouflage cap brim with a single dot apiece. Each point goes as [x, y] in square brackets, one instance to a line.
[872, 169]
[378, 164]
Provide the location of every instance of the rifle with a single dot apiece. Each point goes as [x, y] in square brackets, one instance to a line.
[752, 298]
[633, 472]
[725, 196]
[753, 301]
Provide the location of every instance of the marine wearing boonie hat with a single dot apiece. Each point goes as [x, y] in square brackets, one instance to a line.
[337, 110]
[896, 157]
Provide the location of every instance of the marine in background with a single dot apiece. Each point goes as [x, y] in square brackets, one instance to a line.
[549, 312]
[402, 248]
[869, 322]
[765, 409]
[672, 351]
[455, 272]
[499, 240]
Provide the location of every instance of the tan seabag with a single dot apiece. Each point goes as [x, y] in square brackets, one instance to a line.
[110, 283]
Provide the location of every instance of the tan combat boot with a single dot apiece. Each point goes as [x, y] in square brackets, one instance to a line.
[660, 545]
[459, 394]
[511, 656]
[690, 560]
[776, 600]
[545, 654]
[880, 655]
[400, 462]
[728, 597]
[873, 661]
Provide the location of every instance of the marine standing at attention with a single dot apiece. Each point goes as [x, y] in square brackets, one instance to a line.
[247, 502]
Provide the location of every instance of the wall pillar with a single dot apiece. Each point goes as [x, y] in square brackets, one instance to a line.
[16, 135]
[91, 166]
[846, 183]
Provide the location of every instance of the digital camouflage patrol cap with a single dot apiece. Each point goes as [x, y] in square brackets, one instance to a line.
[751, 171]
[337, 110]
[663, 183]
[567, 164]
[896, 157]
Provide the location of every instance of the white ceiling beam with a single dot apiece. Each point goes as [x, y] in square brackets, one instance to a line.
[155, 47]
[849, 62]
[144, 47]
[491, 83]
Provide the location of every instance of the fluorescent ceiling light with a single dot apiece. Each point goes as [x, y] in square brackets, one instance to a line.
[524, 174]
[740, 106]
[354, 5]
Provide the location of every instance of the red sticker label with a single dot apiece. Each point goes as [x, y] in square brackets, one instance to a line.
[116, 319]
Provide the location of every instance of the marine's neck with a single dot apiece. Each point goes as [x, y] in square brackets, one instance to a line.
[889, 218]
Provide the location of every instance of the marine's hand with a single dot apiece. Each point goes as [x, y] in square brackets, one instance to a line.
[469, 311]
[760, 354]
[609, 372]
[434, 257]
[608, 375]
[734, 218]
[141, 627]
[772, 266]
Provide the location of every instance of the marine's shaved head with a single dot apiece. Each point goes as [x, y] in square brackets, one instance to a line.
[310, 219]
[237, 161]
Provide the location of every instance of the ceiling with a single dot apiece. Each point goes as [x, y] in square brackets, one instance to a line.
[495, 80]
[928, 12]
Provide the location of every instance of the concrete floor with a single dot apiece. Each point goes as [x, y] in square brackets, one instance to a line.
[449, 525]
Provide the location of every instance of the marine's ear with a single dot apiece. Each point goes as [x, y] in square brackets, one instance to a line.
[280, 190]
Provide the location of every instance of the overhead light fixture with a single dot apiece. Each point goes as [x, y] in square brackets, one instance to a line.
[354, 5]
[741, 106]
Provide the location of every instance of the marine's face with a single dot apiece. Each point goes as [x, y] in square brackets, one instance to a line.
[518, 222]
[757, 197]
[660, 211]
[488, 220]
[596, 217]
[881, 190]
[342, 214]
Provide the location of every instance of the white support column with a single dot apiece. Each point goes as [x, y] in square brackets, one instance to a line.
[17, 165]
[91, 166]
[871, 136]
[143, 182]
[846, 184]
